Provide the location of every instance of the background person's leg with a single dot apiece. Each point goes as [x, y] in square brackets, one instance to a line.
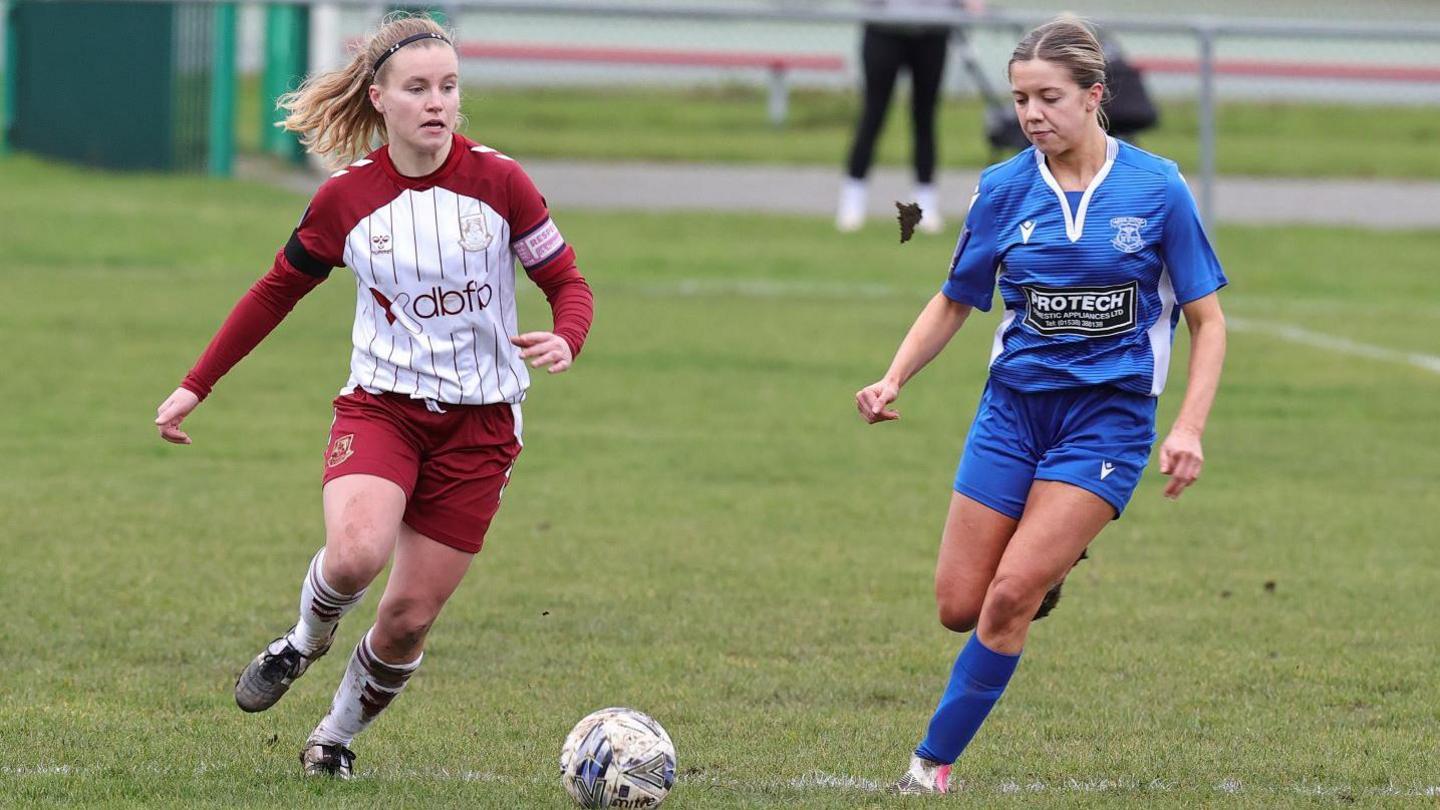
[926, 58]
[882, 54]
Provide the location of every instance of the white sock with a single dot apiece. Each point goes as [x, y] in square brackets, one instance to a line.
[367, 688]
[321, 607]
[850, 214]
[928, 197]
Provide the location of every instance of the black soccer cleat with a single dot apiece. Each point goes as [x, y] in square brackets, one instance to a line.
[327, 759]
[268, 676]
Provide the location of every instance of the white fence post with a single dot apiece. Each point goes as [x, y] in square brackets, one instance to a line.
[779, 95]
[1206, 40]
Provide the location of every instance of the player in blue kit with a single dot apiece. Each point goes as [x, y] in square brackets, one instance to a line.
[1098, 250]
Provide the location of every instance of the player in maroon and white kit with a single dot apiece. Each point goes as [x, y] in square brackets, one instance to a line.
[428, 425]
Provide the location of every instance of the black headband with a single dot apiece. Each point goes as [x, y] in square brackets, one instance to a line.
[389, 52]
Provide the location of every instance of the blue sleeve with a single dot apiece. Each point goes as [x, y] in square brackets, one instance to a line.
[1194, 270]
[972, 269]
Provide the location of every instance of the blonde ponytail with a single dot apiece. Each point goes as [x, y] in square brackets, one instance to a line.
[332, 111]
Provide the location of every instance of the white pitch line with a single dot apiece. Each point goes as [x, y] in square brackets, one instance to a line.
[770, 288]
[1334, 343]
[816, 781]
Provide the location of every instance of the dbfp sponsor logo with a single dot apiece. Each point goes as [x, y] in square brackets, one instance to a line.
[434, 303]
[1083, 311]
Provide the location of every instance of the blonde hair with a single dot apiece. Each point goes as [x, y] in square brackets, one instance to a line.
[1071, 43]
[332, 111]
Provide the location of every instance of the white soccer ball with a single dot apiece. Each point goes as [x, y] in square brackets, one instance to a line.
[617, 758]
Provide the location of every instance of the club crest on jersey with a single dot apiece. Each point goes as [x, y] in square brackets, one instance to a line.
[1127, 237]
[380, 243]
[341, 450]
[473, 234]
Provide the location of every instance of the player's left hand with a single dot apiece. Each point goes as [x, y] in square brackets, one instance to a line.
[1181, 459]
[544, 349]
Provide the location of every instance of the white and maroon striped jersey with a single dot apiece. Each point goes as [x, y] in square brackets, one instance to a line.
[434, 263]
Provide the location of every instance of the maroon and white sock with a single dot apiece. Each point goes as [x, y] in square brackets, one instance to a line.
[367, 688]
[321, 607]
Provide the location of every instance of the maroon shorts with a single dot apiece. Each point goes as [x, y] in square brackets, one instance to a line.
[452, 466]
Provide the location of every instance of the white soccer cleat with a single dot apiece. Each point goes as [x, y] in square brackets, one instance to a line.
[924, 778]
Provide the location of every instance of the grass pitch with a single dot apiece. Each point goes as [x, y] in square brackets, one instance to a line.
[702, 528]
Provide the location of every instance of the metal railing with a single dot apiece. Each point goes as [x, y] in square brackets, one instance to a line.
[1205, 32]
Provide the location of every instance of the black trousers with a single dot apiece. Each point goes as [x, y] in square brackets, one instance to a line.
[884, 52]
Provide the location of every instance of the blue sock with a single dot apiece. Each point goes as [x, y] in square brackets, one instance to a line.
[976, 682]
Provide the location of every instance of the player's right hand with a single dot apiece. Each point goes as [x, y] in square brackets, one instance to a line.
[172, 412]
[873, 401]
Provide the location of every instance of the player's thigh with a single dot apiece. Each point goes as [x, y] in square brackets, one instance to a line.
[425, 575]
[971, 548]
[362, 520]
[1059, 522]
[370, 467]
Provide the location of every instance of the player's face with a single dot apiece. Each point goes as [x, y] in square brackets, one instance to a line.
[419, 95]
[1055, 112]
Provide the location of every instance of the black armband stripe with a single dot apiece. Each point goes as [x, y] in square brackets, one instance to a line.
[301, 260]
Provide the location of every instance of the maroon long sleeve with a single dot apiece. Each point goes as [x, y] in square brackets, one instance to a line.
[572, 305]
[255, 315]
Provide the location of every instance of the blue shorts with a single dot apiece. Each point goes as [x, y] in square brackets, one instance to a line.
[1096, 438]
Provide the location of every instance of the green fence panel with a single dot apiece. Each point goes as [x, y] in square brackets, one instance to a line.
[287, 57]
[113, 84]
[7, 109]
[222, 92]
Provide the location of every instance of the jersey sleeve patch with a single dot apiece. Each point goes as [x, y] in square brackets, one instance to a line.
[539, 244]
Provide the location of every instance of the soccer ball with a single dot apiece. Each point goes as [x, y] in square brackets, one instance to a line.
[617, 758]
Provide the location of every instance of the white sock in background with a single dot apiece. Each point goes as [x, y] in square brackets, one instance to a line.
[850, 214]
[931, 221]
[321, 607]
[367, 688]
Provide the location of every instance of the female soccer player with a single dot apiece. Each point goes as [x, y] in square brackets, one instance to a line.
[428, 425]
[1098, 249]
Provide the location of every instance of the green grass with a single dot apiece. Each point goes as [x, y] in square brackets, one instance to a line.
[702, 528]
[729, 125]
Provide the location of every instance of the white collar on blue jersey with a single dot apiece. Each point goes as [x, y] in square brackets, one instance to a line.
[1075, 225]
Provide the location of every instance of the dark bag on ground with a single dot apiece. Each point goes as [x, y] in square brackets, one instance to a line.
[1129, 109]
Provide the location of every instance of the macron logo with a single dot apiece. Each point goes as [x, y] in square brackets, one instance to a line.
[1026, 228]
[1105, 469]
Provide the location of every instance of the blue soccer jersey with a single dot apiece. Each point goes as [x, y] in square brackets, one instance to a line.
[1092, 290]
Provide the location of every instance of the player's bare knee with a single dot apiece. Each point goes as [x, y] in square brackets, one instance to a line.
[1011, 599]
[406, 621]
[350, 566]
[958, 615]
